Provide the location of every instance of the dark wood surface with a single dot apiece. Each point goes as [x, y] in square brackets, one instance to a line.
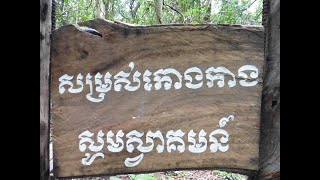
[45, 30]
[269, 167]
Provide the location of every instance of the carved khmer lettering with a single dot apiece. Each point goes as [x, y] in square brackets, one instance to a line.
[166, 79]
[196, 143]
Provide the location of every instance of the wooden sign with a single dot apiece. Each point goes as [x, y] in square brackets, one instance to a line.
[148, 98]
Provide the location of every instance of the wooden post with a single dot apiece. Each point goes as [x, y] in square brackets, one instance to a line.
[269, 166]
[45, 31]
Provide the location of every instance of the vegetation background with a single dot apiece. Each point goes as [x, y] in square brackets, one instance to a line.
[149, 12]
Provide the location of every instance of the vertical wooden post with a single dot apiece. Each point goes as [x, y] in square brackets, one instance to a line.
[269, 165]
[45, 31]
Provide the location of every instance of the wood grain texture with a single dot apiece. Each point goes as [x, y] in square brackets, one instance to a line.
[45, 30]
[269, 167]
[152, 48]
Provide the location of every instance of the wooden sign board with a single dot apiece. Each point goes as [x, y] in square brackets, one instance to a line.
[148, 98]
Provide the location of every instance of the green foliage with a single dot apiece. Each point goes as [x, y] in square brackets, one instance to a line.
[230, 176]
[143, 177]
[114, 178]
[237, 12]
[74, 11]
[246, 12]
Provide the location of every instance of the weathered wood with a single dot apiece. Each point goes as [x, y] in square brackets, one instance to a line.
[269, 167]
[45, 30]
[152, 48]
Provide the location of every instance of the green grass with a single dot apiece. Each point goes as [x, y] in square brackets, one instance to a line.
[143, 177]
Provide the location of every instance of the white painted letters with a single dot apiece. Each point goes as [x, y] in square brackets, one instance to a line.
[165, 77]
[174, 143]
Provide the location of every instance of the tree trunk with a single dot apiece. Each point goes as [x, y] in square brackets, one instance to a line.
[97, 9]
[134, 12]
[53, 15]
[206, 18]
[45, 30]
[63, 20]
[106, 9]
[158, 9]
[270, 112]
